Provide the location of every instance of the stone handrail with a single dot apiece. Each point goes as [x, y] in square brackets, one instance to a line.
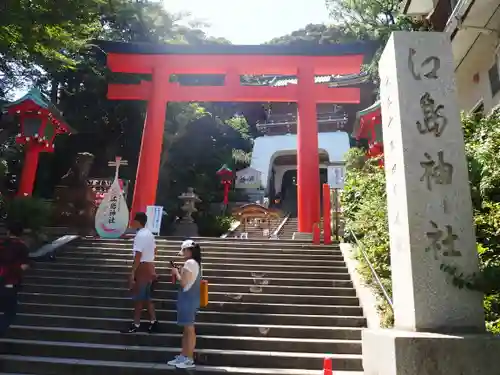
[375, 276]
[282, 224]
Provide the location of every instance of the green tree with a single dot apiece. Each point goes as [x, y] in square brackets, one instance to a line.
[314, 34]
[37, 34]
[372, 20]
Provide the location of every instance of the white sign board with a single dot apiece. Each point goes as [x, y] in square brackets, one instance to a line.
[336, 175]
[248, 178]
[154, 214]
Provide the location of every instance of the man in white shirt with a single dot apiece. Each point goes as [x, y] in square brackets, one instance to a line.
[143, 273]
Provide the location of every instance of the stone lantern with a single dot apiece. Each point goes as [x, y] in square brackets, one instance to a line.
[186, 227]
[189, 200]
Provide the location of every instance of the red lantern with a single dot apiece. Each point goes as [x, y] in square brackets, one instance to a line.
[38, 129]
[226, 176]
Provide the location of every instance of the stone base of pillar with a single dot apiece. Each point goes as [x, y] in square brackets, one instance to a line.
[394, 352]
[186, 229]
[299, 236]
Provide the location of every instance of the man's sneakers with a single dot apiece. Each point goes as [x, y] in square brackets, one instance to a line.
[153, 327]
[134, 328]
[182, 362]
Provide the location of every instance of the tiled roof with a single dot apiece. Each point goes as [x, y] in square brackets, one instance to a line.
[36, 96]
[358, 48]
[332, 81]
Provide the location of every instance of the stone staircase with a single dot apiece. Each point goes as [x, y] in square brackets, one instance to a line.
[276, 307]
[256, 231]
[290, 227]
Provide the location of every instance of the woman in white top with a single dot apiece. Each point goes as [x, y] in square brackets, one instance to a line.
[188, 301]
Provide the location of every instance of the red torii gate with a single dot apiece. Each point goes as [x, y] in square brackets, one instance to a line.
[162, 61]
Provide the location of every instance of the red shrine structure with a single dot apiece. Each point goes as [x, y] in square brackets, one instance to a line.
[40, 122]
[226, 176]
[161, 62]
[369, 126]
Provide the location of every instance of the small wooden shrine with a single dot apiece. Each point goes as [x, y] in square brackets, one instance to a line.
[256, 215]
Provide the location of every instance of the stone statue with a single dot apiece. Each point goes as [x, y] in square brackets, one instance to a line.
[80, 170]
[74, 199]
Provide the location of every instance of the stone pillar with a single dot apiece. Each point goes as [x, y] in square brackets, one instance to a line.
[439, 328]
[28, 175]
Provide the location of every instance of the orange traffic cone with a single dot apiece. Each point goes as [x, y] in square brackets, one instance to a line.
[327, 366]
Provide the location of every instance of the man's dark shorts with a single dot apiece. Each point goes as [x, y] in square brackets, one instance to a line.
[142, 292]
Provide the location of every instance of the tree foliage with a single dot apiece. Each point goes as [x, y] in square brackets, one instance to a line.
[52, 44]
[314, 34]
[365, 212]
[372, 20]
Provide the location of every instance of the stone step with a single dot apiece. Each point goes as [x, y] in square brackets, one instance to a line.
[202, 328]
[342, 316]
[114, 265]
[278, 304]
[96, 278]
[263, 249]
[164, 287]
[91, 257]
[338, 295]
[58, 366]
[97, 336]
[218, 271]
[316, 255]
[232, 306]
[214, 357]
[257, 245]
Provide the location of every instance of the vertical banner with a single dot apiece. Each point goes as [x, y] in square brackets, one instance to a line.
[154, 214]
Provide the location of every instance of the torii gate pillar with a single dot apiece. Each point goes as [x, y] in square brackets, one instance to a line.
[148, 167]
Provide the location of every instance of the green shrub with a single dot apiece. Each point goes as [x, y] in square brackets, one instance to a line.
[211, 225]
[32, 213]
[364, 206]
[482, 139]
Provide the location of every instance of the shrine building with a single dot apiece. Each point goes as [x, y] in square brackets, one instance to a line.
[275, 152]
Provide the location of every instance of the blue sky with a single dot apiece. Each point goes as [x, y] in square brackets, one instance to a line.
[252, 21]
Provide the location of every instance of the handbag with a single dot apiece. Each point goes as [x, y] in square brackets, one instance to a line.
[203, 293]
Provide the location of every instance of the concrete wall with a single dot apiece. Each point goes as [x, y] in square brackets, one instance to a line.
[266, 148]
[472, 77]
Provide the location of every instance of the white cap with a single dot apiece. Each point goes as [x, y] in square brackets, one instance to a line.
[187, 244]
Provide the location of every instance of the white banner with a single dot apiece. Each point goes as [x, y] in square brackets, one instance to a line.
[248, 178]
[154, 214]
[111, 219]
[336, 175]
